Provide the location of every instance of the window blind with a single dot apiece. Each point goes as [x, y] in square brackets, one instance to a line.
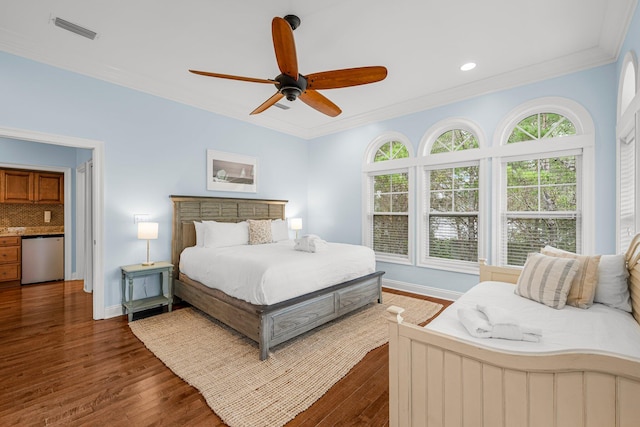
[627, 196]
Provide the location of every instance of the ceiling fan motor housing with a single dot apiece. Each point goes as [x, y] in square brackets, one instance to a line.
[289, 87]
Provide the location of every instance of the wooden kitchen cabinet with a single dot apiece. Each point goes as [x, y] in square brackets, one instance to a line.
[20, 186]
[10, 260]
[16, 186]
[48, 187]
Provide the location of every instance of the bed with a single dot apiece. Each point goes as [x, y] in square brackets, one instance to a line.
[268, 324]
[441, 377]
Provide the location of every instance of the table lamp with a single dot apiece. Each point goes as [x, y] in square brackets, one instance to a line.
[148, 231]
[296, 224]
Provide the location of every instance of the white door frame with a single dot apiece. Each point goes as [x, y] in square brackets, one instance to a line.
[98, 199]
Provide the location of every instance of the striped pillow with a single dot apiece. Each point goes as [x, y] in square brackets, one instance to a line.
[547, 279]
[583, 287]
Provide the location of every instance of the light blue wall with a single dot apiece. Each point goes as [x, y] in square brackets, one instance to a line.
[153, 148]
[335, 181]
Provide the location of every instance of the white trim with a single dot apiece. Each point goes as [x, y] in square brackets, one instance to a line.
[421, 289]
[628, 61]
[427, 161]
[113, 311]
[575, 112]
[98, 201]
[382, 139]
[628, 123]
[371, 169]
[445, 125]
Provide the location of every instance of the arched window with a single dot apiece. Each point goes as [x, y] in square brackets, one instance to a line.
[628, 201]
[542, 180]
[450, 196]
[541, 126]
[386, 228]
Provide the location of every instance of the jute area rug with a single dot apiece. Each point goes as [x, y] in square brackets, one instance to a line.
[244, 391]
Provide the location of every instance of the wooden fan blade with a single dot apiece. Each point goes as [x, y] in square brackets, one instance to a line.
[318, 101]
[346, 77]
[268, 103]
[285, 47]
[228, 76]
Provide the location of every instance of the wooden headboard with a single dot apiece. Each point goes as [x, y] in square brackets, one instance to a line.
[187, 209]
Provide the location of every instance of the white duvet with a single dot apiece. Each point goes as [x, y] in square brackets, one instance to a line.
[597, 329]
[275, 272]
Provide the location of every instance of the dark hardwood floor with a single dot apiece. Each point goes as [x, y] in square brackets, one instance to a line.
[60, 367]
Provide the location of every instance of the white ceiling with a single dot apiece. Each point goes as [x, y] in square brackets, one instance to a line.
[148, 45]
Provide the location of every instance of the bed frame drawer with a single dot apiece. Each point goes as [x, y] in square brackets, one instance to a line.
[358, 296]
[290, 321]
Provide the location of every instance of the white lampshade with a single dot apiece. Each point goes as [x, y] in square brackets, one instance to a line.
[295, 223]
[147, 230]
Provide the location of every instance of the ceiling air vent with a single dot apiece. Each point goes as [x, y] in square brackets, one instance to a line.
[284, 107]
[69, 26]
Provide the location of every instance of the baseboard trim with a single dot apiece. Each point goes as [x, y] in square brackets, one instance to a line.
[421, 289]
[113, 311]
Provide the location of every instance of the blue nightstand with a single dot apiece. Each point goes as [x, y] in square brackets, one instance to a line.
[130, 272]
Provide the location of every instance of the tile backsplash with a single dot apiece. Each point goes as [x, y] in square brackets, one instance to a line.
[30, 215]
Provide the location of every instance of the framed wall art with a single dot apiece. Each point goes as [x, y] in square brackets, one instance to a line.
[231, 172]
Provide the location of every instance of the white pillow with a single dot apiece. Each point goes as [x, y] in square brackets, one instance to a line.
[222, 234]
[279, 230]
[612, 288]
[199, 233]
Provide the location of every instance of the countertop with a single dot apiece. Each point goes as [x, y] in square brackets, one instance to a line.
[31, 231]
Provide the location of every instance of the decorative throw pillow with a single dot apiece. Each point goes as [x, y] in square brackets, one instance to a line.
[583, 287]
[279, 230]
[259, 231]
[613, 288]
[547, 279]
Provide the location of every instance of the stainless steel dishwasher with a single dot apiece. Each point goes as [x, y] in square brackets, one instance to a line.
[42, 259]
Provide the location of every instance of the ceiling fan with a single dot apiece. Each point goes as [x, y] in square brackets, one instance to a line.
[291, 84]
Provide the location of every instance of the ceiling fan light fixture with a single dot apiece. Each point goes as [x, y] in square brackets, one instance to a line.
[290, 92]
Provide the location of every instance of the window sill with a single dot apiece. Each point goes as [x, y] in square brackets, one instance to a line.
[450, 265]
[393, 260]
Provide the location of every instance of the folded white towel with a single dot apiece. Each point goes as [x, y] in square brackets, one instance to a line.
[310, 243]
[496, 322]
[475, 322]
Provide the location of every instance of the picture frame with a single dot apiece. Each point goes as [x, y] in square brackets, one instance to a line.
[231, 172]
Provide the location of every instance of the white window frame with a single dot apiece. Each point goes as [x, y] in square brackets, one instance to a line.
[628, 123]
[371, 169]
[427, 162]
[581, 144]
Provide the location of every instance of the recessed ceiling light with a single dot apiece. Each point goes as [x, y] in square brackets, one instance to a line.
[468, 66]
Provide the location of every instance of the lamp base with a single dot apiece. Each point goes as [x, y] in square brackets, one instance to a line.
[148, 263]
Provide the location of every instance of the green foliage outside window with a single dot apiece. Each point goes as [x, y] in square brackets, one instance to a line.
[454, 140]
[453, 213]
[541, 126]
[541, 205]
[390, 151]
[391, 204]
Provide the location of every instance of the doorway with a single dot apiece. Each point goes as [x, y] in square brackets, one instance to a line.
[97, 203]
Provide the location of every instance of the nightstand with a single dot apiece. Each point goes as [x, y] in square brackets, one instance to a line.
[130, 272]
